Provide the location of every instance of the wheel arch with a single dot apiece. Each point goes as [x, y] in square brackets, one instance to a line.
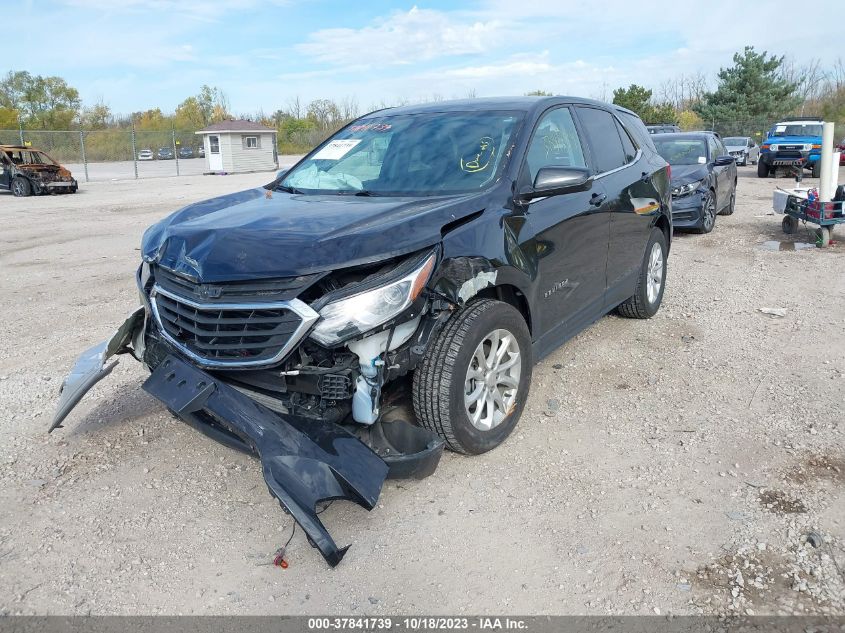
[513, 296]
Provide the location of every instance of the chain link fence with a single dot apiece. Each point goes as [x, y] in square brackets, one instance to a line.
[117, 154]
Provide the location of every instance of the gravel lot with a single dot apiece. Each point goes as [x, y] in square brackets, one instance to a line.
[673, 465]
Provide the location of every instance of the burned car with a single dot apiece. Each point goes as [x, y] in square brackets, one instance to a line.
[390, 293]
[26, 171]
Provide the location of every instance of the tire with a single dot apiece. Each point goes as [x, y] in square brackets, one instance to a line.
[789, 225]
[729, 210]
[822, 237]
[708, 213]
[817, 169]
[643, 304]
[762, 170]
[21, 187]
[441, 381]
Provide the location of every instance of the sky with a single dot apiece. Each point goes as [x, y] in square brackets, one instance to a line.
[139, 54]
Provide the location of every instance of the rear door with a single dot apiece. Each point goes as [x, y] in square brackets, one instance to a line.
[571, 229]
[631, 203]
[723, 173]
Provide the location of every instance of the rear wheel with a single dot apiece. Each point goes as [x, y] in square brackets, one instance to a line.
[21, 187]
[762, 170]
[474, 379]
[817, 169]
[645, 302]
[822, 237]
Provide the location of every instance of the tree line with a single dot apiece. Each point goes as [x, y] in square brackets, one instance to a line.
[745, 98]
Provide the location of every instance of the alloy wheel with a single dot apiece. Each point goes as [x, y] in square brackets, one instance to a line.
[709, 212]
[492, 379]
[654, 274]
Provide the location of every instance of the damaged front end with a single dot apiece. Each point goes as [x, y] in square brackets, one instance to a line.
[310, 373]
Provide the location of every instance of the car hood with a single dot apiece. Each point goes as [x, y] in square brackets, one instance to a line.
[683, 174]
[793, 140]
[260, 233]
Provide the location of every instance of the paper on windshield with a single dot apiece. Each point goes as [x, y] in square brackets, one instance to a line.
[333, 150]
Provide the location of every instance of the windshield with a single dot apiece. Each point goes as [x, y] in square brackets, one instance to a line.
[411, 154]
[736, 140]
[29, 157]
[682, 151]
[797, 129]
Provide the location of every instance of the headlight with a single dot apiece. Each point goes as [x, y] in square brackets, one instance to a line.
[359, 313]
[685, 190]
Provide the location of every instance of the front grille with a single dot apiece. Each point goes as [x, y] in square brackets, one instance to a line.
[278, 289]
[231, 334]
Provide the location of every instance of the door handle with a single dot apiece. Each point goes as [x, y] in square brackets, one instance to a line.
[597, 199]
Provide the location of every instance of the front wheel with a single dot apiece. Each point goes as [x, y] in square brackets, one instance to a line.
[646, 300]
[762, 170]
[473, 382]
[708, 212]
[21, 187]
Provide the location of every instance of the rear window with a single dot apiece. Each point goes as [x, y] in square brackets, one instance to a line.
[682, 151]
[636, 128]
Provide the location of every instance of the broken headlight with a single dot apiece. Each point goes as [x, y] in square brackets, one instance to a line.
[351, 316]
[685, 190]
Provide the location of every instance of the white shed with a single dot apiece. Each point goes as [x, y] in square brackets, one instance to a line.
[239, 146]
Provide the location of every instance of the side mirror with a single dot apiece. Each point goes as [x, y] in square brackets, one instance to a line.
[722, 161]
[552, 181]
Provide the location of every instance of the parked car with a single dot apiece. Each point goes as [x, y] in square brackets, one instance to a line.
[663, 128]
[186, 152]
[201, 151]
[743, 149]
[703, 178]
[790, 142]
[403, 303]
[165, 153]
[25, 171]
[146, 154]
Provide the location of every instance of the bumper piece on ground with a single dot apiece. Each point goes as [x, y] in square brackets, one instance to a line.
[304, 461]
[91, 367]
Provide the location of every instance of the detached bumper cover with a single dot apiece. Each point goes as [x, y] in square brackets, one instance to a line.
[304, 461]
[91, 366]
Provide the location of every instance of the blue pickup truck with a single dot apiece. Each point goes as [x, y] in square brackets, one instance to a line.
[790, 141]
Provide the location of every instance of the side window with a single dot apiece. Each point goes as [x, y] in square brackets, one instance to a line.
[627, 144]
[555, 143]
[600, 127]
[714, 148]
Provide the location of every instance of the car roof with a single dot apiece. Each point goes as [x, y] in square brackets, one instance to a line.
[11, 147]
[529, 104]
[700, 136]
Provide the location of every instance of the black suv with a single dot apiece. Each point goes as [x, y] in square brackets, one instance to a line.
[393, 290]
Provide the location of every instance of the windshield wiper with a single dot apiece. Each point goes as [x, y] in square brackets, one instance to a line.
[365, 192]
[287, 189]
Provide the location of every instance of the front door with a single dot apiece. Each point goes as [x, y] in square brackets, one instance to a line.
[215, 158]
[5, 172]
[571, 232]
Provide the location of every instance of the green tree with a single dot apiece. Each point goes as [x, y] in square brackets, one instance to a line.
[152, 119]
[43, 102]
[96, 117]
[750, 95]
[538, 93]
[8, 118]
[638, 99]
[190, 115]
